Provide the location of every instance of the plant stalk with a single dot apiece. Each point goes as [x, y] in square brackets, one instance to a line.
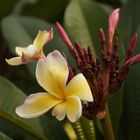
[107, 125]
[84, 129]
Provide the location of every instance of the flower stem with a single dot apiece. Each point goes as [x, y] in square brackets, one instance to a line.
[84, 129]
[77, 126]
[107, 125]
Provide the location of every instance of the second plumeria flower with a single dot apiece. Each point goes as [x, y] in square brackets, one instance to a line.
[65, 98]
[33, 51]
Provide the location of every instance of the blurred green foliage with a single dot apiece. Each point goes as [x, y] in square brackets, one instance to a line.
[20, 22]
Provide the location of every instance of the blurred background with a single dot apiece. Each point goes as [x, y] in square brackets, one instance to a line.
[20, 21]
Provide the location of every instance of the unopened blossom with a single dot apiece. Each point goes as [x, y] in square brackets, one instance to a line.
[113, 21]
[33, 51]
[62, 97]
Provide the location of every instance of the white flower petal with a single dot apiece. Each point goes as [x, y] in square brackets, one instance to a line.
[59, 111]
[37, 104]
[42, 38]
[14, 61]
[78, 86]
[52, 73]
[20, 50]
[27, 52]
[73, 108]
[30, 51]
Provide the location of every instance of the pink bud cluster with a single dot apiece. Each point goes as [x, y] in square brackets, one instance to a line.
[106, 78]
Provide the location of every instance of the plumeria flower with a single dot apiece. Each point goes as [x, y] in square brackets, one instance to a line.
[52, 74]
[33, 51]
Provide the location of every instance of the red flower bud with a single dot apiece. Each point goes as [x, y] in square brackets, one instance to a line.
[113, 21]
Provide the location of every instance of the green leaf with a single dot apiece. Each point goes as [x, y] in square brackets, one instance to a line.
[56, 128]
[4, 137]
[10, 98]
[18, 38]
[47, 9]
[83, 19]
[6, 7]
[129, 20]
[116, 3]
[115, 110]
[31, 127]
[130, 122]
